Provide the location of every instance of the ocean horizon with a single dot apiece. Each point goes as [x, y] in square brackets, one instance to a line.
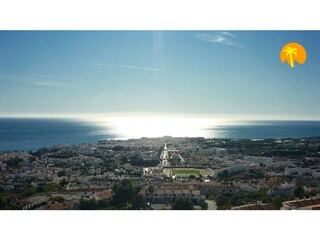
[24, 134]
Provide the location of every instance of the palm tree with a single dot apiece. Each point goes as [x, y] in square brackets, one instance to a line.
[291, 51]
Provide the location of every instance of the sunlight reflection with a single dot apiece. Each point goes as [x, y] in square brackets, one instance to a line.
[137, 127]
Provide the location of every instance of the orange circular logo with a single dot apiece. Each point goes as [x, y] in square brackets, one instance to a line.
[292, 52]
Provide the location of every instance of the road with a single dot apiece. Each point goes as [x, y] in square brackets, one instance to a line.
[211, 205]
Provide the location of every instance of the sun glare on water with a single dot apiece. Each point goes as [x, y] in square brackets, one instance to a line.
[137, 127]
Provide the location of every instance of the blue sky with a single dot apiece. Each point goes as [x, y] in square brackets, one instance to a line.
[215, 73]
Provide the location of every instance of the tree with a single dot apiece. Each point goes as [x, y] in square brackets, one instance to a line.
[40, 189]
[62, 173]
[224, 175]
[299, 192]
[90, 204]
[277, 201]
[182, 204]
[104, 204]
[64, 182]
[138, 202]
[51, 187]
[258, 194]
[124, 193]
[222, 202]
[151, 189]
[14, 162]
[192, 177]
[203, 205]
[236, 200]
[3, 203]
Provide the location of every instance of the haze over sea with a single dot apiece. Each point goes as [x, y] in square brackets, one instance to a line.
[31, 134]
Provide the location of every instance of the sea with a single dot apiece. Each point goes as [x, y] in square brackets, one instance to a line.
[25, 134]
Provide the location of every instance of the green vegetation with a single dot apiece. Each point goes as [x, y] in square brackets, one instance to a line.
[3, 202]
[8, 199]
[14, 162]
[277, 201]
[62, 173]
[90, 204]
[182, 204]
[299, 192]
[185, 171]
[223, 202]
[151, 189]
[203, 205]
[125, 197]
[125, 194]
[63, 183]
[51, 187]
[224, 175]
[226, 201]
[245, 175]
[18, 193]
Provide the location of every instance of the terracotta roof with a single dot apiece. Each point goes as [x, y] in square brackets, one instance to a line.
[159, 191]
[60, 206]
[255, 207]
[195, 192]
[316, 207]
[23, 201]
[303, 202]
[218, 186]
[313, 207]
[105, 194]
[168, 191]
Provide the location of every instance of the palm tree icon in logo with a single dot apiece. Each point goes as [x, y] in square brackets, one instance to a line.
[289, 52]
[292, 52]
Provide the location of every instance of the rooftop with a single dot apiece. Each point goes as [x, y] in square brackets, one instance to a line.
[257, 206]
[303, 203]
